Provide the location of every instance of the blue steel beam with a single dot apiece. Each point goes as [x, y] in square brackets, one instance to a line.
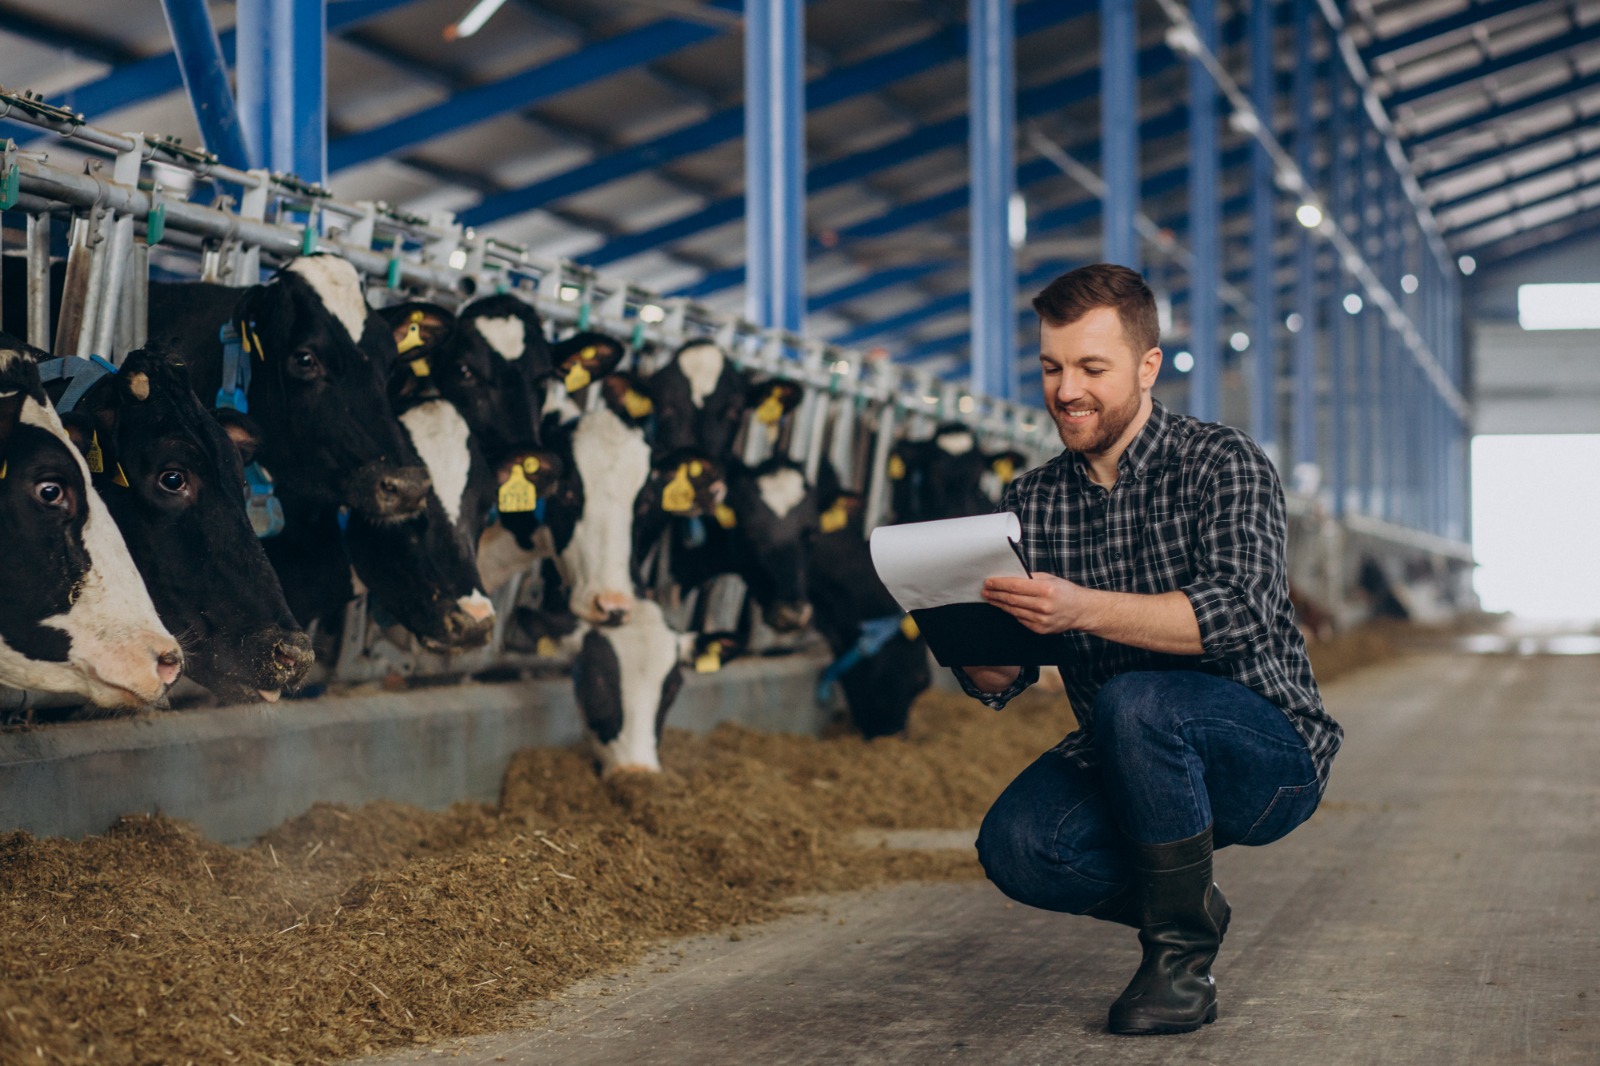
[874, 282]
[1338, 319]
[831, 88]
[1263, 229]
[145, 79]
[1205, 224]
[775, 197]
[1472, 16]
[1494, 118]
[205, 77]
[283, 85]
[1575, 38]
[991, 156]
[1303, 420]
[1119, 121]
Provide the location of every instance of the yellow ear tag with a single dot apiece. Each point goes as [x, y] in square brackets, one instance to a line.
[530, 465]
[253, 343]
[771, 409]
[517, 495]
[546, 647]
[5, 466]
[725, 516]
[637, 403]
[420, 368]
[578, 377]
[678, 496]
[908, 628]
[897, 468]
[121, 478]
[1005, 470]
[96, 458]
[835, 518]
[710, 660]
[412, 339]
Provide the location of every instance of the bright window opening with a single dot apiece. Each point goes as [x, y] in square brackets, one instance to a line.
[1563, 306]
[1533, 534]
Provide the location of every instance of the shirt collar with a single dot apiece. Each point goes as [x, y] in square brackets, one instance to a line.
[1136, 458]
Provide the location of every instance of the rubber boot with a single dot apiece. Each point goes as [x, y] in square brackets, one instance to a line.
[1182, 918]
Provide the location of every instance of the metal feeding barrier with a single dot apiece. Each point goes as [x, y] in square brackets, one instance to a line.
[121, 210]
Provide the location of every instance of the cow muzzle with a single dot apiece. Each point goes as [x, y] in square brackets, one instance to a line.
[787, 617]
[608, 609]
[280, 657]
[384, 493]
[468, 624]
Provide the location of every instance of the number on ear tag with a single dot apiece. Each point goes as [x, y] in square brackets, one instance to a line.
[517, 495]
[835, 518]
[678, 496]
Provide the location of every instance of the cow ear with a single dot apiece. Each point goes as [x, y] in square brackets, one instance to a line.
[10, 416]
[267, 310]
[243, 431]
[80, 429]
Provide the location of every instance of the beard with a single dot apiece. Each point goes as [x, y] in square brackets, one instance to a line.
[1102, 432]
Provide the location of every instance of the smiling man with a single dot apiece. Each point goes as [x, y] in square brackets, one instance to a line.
[1156, 542]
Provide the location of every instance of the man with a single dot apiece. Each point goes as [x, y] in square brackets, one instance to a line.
[1157, 547]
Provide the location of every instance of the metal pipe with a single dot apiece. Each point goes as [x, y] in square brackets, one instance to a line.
[774, 163]
[1263, 231]
[1303, 423]
[1205, 224]
[39, 280]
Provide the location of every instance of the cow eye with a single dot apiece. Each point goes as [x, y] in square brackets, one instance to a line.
[303, 363]
[172, 481]
[53, 494]
[464, 372]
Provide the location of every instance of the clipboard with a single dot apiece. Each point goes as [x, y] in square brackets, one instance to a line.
[935, 571]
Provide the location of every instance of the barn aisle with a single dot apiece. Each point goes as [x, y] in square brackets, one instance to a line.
[1441, 908]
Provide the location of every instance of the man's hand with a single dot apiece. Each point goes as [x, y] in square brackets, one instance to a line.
[1044, 603]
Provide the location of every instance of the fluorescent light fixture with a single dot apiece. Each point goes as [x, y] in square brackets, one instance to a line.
[1408, 284]
[841, 366]
[966, 405]
[1467, 264]
[1183, 362]
[1294, 322]
[1239, 341]
[1352, 303]
[1245, 122]
[1308, 215]
[570, 292]
[651, 313]
[473, 20]
[1017, 220]
[458, 258]
[1564, 306]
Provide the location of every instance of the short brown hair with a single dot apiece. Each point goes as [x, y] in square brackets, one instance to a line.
[1077, 292]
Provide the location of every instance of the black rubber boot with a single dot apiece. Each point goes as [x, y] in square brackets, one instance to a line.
[1182, 918]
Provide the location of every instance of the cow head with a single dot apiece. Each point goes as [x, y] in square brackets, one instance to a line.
[626, 677]
[700, 398]
[75, 618]
[319, 360]
[946, 476]
[772, 514]
[173, 480]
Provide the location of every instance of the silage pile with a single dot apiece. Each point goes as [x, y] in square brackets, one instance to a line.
[346, 931]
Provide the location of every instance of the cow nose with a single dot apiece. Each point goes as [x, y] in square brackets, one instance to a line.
[611, 609]
[463, 629]
[289, 657]
[788, 617]
[169, 664]
[383, 492]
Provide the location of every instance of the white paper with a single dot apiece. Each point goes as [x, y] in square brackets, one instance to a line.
[930, 564]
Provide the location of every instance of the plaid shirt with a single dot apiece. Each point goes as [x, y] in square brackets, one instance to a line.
[1197, 507]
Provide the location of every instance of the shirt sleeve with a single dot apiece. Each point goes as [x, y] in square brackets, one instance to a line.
[1239, 555]
[997, 700]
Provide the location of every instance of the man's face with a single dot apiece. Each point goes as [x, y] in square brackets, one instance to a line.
[1095, 383]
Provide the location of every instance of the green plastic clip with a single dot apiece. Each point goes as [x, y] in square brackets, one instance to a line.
[155, 224]
[11, 178]
[308, 239]
[583, 316]
[637, 337]
[392, 276]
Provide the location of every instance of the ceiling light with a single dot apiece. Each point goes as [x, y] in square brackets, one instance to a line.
[1239, 341]
[1294, 322]
[1308, 215]
[651, 313]
[1352, 303]
[1408, 283]
[473, 20]
[1183, 362]
[1467, 264]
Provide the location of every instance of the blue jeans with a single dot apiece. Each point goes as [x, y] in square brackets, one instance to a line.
[1178, 751]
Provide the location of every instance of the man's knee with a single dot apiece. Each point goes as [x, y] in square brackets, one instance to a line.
[1024, 863]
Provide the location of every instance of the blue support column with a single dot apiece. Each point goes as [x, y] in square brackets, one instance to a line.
[1205, 225]
[205, 77]
[1119, 125]
[1303, 422]
[774, 167]
[1339, 325]
[1369, 347]
[1263, 229]
[282, 75]
[992, 91]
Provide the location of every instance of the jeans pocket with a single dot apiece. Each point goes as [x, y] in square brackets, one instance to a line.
[1291, 805]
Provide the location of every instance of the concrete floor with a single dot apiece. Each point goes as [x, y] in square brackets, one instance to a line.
[1441, 908]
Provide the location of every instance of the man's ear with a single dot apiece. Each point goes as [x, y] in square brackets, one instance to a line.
[1149, 368]
[244, 433]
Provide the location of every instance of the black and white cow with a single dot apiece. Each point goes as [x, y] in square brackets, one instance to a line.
[318, 359]
[173, 480]
[700, 399]
[948, 475]
[880, 660]
[75, 617]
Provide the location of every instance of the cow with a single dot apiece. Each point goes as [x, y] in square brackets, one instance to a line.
[700, 398]
[75, 617]
[173, 480]
[947, 476]
[880, 660]
[318, 360]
